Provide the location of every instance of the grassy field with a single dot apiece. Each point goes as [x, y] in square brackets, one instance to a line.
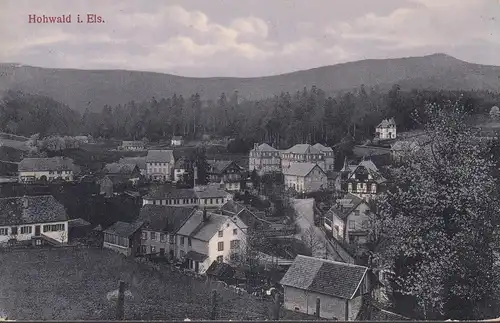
[71, 284]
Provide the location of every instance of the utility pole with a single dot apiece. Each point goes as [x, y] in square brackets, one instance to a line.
[120, 310]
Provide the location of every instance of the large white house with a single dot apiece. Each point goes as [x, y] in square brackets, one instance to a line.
[264, 159]
[33, 219]
[305, 177]
[305, 153]
[386, 129]
[177, 141]
[207, 237]
[46, 169]
[160, 164]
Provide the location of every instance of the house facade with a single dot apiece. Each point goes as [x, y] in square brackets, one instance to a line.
[386, 129]
[264, 159]
[160, 165]
[227, 173]
[202, 196]
[305, 177]
[349, 220]
[340, 287]
[177, 141]
[46, 169]
[161, 223]
[329, 156]
[124, 238]
[302, 153]
[207, 237]
[363, 180]
[133, 145]
[36, 219]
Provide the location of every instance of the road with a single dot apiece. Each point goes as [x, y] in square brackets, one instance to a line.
[305, 220]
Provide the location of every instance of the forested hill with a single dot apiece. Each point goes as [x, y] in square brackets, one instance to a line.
[82, 89]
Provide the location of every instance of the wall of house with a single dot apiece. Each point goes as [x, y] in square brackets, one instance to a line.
[359, 222]
[61, 236]
[232, 186]
[49, 175]
[160, 169]
[227, 236]
[196, 245]
[315, 180]
[214, 202]
[387, 133]
[162, 241]
[264, 163]
[305, 302]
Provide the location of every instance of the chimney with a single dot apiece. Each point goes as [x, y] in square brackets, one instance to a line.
[255, 145]
[25, 202]
[205, 216]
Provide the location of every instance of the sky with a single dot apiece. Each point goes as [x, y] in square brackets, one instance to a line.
[203, 38]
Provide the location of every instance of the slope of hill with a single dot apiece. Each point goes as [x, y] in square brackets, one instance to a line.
[93, 89]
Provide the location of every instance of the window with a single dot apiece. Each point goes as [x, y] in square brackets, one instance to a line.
[4, 231]
[144, 235]
[153, 249]
[221, 234]
[182, 253]
[13, 231]
[26, 230]
[211, 201]
[171, 238]
[189, 242]
[143, 250]
[364, 224]
[182, 241]
[220, 246]
[374, 188]
[349, 187]
[162, 237]
[356, 212]
[220, 259]
[235, 244]
[352, 224]
[235, 232]
[153, 235]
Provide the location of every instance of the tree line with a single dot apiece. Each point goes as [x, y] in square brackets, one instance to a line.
[308, 115]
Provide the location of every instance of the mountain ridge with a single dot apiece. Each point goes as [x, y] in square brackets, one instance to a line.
[81, 89]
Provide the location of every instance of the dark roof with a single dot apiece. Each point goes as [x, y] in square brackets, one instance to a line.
[342, 210]
[165, 218]
[220, 269]
[124, 229]
[182, 163]
[139, 161]
[283, 247]
[177, 138]
[324, 276]
[31, 209]
[162, 156]
[209, 191]
[300, 169]
[46, 164]
[75, 223]
[169, 192]
[196, 256]
[250, 219]
[120, 168]
[219, 166]
[330, 174]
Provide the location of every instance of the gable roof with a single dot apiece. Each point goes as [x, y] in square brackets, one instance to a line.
[196, 228]
[46, 164]
[371, 168]
[209, 191]
[387, 123]
[160, 192]
[220, 269]
[162, 156]
[324, 276]
[264, 147]
[342, 210]
[30, 210]
[219, 166]
[300, 169]
[139, 161]
[302, 149]
[124, 229]
[322, 148]
[177, 138]
[120, 168]
[165, 218]
[250, 219]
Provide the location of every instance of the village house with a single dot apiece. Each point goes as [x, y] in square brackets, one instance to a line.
[129, 171]
[139, 161]
[160, 165]
[386, 129]
[46, 169]
[118, 177]
[132, 145]
[124, 238]
[302, 153]
[363, 179]
[225, 172]
[161, 223]
[329, 156]
[202, 196]
[340, 288]
[349, 219]
[264, 159]
[181, 167]
[33, 220]
[177, 141]
[305, 177]
[207, 237]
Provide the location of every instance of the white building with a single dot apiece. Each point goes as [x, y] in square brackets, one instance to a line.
[329, 156]
[46, 169]
[177, 141]
[305, 177]
[33, 219]
[209, 196]
[207, 237]
[132, 145]
[160, 165]
[305, 153]
[264, 159]
[386, 129]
